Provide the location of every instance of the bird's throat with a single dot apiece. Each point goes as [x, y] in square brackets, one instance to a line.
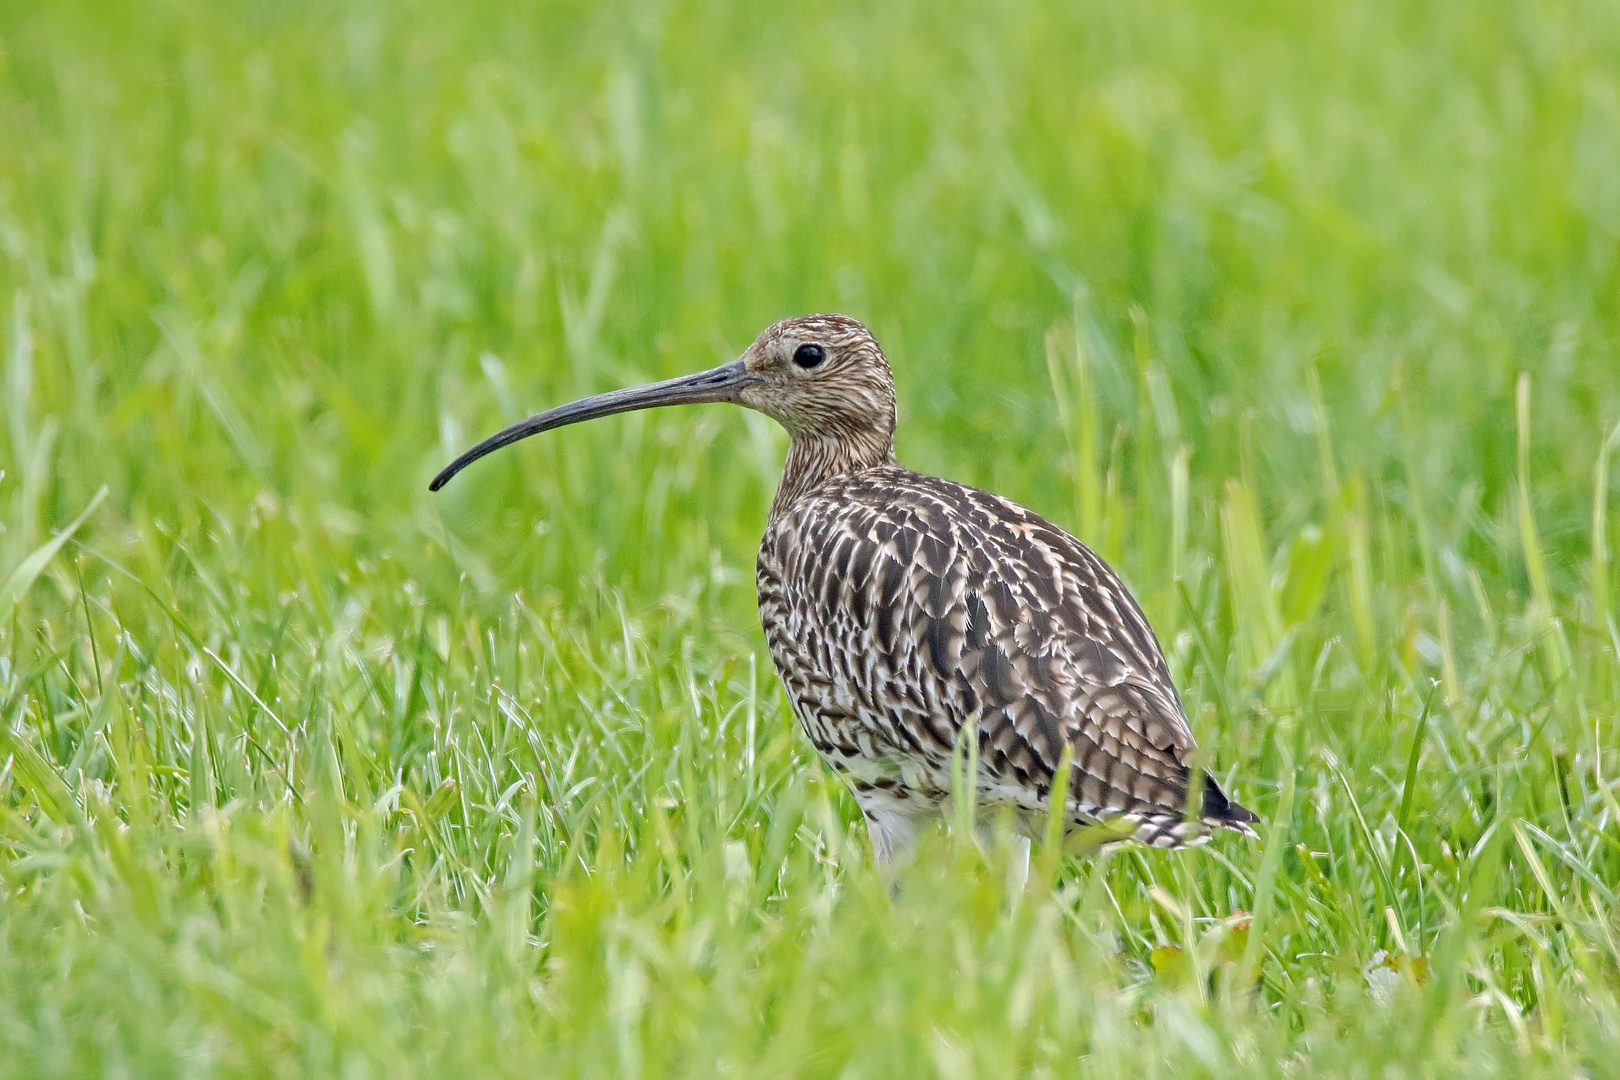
[812, 460]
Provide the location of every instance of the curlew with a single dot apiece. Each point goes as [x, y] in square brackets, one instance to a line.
[900, 608]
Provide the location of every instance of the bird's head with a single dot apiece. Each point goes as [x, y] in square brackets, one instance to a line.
[822, 377]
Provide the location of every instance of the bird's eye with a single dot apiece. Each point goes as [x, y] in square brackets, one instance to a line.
[809, 356]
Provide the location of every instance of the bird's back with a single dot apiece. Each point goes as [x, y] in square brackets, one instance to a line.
[899, 606]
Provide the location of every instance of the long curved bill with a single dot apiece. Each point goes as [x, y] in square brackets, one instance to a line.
[724, 383]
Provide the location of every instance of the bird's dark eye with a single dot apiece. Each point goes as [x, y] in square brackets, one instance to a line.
[809, 356]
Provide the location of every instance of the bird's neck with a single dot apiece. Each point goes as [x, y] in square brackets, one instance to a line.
[812, 460]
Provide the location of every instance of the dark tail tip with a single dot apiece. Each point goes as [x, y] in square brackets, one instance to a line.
[1218, 808]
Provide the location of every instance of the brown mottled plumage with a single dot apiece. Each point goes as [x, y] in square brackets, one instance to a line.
[900, 607]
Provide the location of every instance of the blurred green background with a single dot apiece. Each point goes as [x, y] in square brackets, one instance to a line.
[1302, 315]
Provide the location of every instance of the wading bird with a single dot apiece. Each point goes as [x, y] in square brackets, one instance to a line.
[900, 607]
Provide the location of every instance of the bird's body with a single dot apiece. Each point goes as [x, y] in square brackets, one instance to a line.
[899, 608]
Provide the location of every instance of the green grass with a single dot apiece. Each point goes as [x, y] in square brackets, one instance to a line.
[1305, 315]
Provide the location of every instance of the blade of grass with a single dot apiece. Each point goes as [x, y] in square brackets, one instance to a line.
[26, 572]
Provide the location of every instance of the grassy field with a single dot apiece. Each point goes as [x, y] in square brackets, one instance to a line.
[1307, 316]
